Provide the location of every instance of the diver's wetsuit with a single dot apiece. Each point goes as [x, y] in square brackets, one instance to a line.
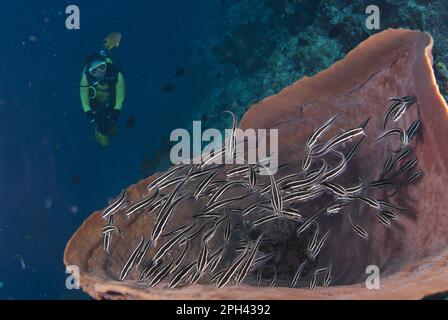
[102, 101]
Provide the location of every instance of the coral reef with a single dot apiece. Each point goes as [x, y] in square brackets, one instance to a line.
[412, 254]
[317, 34]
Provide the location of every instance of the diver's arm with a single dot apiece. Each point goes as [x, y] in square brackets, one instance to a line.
[84, 91]
[120, 92]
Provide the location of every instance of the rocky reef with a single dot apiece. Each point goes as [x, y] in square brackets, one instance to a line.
[411, 253]
[297, 38]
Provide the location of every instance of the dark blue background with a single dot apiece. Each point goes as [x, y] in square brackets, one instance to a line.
[45, 138]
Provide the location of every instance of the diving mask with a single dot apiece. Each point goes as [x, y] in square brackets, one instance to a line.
[98, 69]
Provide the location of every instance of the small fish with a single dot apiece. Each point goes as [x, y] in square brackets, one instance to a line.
[359, 230]
[131, 122]
[337, 208]
[343, 137]
[157, 204]
[237, 171]
[337, 189]
[371, 202]
[211, 233]
[207, 216]
[313, 242]
[161, 274]
[276, 197]
[166, 204]
[327, 279]
[305, 182]
[311, 220]
[192, 236]
[319, 245]
[389, 214]
[181, 257]
[226, 186]
[293, 214]
[407, 101]
[215, 259]
[115, 205]
[265, 219]
[252, 176]
[165, 176]
[397, 131]
[106, 242]
[296, 276]
[76, 180]
[259, 276]
[397, 108]
[409, 165]
[311, 141]
[253, 207]
[385, 204]
[379, 184]
[414, 177]
[392, 160]
[170, 243]
[160, 224]
[141, 204]
[202, 259]
[110, 228]
[228, 275]
[216, 275]
[264, 258]
[393, 107]
[177, 230]
[179, 276]
[143, 252]
[169, 87]
[306, 163]
[365, 123]
[353, 150]
[382, 218]
[219, 204]
[231, 142]
[227, 230]
[180, 72]
[336, 171]
[250, 261]
[149, 270]
[303, 195]
[131, 260]
[108, 236]
[212, 157]
[413, 129]
[313, 281]
[168, 183]
[273, 281]
[204, 183]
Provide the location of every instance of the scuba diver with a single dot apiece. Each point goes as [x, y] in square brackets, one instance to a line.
[102, 94]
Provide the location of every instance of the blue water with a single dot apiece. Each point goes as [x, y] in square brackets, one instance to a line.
[45, 139]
